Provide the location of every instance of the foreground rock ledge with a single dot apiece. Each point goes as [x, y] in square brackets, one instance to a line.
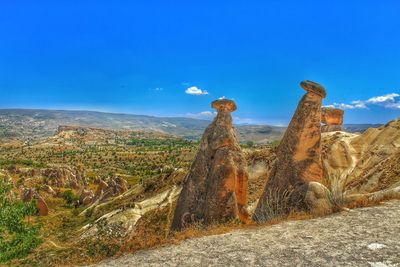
[215, 189]
[361, 237]
[295, 180]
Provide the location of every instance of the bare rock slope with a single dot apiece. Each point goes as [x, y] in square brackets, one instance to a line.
[361, 237]
[364, 163]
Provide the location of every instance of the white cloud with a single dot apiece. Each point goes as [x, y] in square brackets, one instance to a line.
[383, 98]
[386, 101]
[358, 104]
[395, 105]
[194, 90]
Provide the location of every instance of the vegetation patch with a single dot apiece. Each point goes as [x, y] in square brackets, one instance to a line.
[18, 234]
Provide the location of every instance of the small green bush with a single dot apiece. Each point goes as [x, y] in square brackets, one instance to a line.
[17, 236]
[70, 198]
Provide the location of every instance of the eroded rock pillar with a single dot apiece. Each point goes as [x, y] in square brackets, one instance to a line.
[215, 190]
[295, 180]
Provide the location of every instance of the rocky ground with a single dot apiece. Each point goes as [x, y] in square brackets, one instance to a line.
[362, 237]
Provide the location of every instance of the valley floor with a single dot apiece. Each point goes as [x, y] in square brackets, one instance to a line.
[361, 237]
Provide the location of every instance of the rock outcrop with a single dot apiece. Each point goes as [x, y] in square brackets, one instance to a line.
[64, 177]
[113, 186]
[86, 197]
[332, 118]
[295, 180]
[364, 163]
[122, 222]
[216, 187]
[28, 194]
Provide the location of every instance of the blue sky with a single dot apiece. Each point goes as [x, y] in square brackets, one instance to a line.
[142, 56]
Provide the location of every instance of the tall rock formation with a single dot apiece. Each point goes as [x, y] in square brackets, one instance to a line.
[295, 180]
[215, 189]
[332, 118]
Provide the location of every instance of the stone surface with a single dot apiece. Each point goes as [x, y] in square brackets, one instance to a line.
[121, 222]
[113, 186]
[314, 88]
[86, 197]
[64, 177]
[28, 194]
[342, 239]
[298, 159]
[224, 104]
[41, 206]
[332, 118]
[216, 187]
[364, 163]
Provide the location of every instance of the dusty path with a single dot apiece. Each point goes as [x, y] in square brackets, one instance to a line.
[362, 237]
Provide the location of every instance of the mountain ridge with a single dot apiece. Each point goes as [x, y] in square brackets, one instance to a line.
[28, 124]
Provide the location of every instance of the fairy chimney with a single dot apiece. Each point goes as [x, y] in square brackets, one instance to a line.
[295, 180]
[215, 188]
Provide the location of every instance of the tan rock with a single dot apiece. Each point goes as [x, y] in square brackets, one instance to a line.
[216, 187]
[113, 186]
[298, 160]
[86, 197]
[332, 118]
[64, 177]
[364, 163]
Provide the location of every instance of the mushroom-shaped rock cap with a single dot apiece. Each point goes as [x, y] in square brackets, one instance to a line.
[329, 110]
[224, 104]
[313, 87]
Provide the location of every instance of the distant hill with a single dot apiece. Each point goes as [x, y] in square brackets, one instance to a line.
[25, 124]
[353, 128]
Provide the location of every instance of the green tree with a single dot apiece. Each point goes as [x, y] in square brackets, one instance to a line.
[17, 236]
[249, 144]
[70, 198]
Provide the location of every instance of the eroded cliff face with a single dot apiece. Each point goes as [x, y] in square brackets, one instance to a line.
[364, 163]
[215, 189]
[296, 179]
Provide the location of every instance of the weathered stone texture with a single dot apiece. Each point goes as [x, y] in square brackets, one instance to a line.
[298, 160]
[216, 187]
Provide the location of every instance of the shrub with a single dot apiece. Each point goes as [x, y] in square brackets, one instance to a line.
[70, 198]
[17, 236]
[337, 190]
[276, 206]
[249, 144]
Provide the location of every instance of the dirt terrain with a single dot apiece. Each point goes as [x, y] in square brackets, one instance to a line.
[361, 237]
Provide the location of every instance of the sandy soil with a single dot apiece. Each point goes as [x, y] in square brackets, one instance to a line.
[362, 237]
